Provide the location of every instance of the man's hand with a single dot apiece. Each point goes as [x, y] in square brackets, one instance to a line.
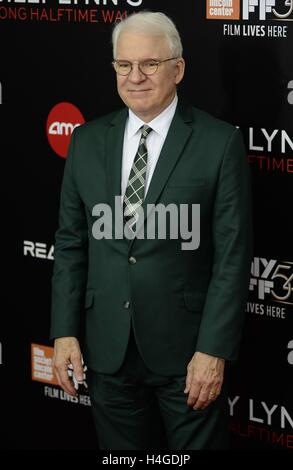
[67, 351]
[204, 379]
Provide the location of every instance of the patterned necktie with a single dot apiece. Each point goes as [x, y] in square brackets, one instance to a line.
[135, 189]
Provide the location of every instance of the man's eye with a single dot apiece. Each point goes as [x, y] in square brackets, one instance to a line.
[150, 64]
[124, 65]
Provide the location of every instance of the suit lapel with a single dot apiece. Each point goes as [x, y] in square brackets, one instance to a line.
[114, 149]
[173, 147]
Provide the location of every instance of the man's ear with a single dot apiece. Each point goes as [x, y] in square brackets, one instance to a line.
[179, 70]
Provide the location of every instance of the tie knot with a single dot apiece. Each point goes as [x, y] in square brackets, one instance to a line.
[145, 130]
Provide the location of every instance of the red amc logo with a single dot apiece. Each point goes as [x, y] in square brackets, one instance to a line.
[61, 122]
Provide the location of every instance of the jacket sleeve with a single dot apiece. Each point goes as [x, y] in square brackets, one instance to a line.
[70, 254]
[223, 314]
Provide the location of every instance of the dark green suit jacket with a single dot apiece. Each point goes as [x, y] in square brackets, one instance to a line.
[179, 301]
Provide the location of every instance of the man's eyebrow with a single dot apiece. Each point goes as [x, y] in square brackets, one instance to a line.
[143, 60]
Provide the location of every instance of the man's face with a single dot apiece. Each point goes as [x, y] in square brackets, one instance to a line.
[147, 95]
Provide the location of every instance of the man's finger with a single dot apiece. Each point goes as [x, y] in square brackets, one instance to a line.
[64, 380]
[202, 400]
[77, 368]
[193, 394]
[188, 382]
[205, 398]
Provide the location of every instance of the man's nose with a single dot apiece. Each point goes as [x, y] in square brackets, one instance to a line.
[136, 75]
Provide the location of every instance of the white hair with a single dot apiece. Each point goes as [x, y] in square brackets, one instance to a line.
[152, 23]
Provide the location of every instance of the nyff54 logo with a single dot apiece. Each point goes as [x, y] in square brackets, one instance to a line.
[249, 9]
[272, 280]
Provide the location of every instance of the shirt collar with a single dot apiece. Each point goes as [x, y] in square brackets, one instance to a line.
[159, 124]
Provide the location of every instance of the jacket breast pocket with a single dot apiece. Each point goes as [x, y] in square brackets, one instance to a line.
[194, 301]
[186, 183]
[184, 191]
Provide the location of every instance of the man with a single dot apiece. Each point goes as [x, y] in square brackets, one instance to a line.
[160, 321]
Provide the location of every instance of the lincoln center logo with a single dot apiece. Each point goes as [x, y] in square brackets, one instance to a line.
[42, 359]
[223, 9]
[61, 122]
[260, 10]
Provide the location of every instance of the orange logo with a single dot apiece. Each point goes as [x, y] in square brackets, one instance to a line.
[223, 9]
[42, 358]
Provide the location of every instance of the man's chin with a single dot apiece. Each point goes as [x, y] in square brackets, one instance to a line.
[140, 109]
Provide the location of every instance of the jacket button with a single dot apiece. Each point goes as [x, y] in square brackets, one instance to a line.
[126, 304]
[132, 260]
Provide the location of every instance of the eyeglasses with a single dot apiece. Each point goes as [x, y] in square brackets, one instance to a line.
[147, 67]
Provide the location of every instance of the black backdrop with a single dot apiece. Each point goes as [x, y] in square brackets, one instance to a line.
[240, 70]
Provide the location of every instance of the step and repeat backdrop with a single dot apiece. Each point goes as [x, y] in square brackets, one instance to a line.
[56, 74]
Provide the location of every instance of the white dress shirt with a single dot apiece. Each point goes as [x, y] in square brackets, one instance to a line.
[154, 142]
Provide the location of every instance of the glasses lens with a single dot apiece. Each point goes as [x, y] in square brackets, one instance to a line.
[148, 67]
[123, 68]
